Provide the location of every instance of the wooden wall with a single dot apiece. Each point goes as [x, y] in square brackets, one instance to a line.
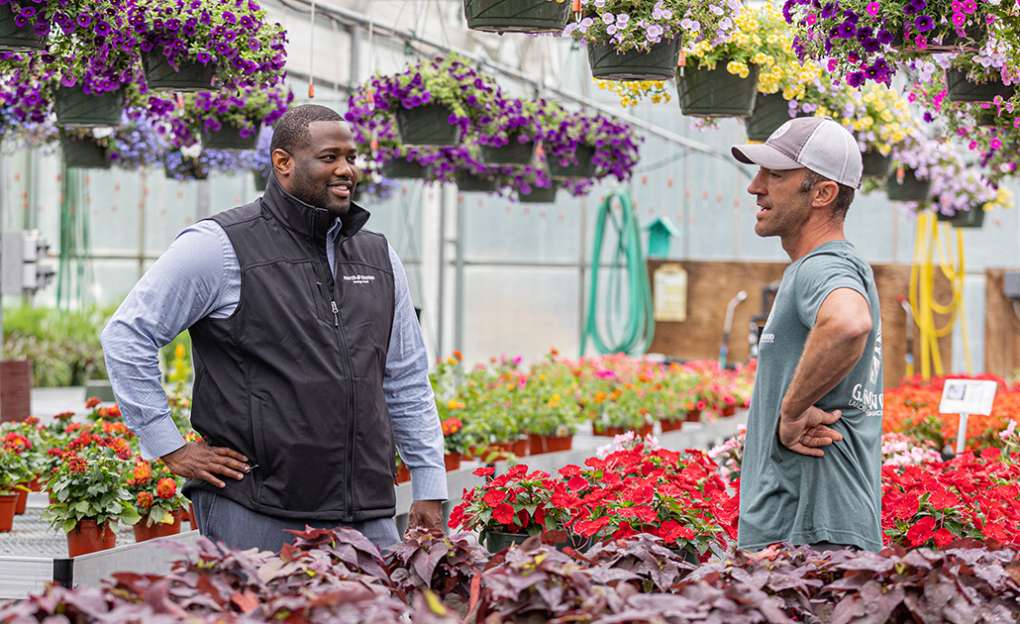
[1002, 328]
[710, 286]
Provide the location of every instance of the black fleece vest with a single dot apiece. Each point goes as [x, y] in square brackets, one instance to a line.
[294, 377]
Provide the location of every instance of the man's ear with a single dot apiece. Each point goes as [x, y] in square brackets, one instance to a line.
[283, 163]
[826, 193]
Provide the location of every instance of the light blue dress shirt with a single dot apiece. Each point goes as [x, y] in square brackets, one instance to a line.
[199, 276]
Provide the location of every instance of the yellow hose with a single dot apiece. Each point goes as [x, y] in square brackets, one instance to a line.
[927, 243]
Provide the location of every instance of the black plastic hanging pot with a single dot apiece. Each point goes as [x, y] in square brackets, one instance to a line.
[15, 39]
[967, 219]
[401, 169]
[468, 182]
[427, 125]
[986, 117]
[770, 112]
[83, 153]
[909, 189]
[160, 75]
[228, 137]
[523, 16]
[513, 153]
[77, 109]
[539, 195]
[582, 167]
[187, 169]
[716, 92]
[659, 63]
[963, 90]
[875, 164]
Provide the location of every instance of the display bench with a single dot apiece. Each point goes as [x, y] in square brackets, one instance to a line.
[33, 554]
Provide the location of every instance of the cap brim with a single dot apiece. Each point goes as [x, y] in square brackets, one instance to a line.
[764, 155]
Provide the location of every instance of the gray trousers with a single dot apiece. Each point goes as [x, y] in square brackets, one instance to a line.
[222, 520]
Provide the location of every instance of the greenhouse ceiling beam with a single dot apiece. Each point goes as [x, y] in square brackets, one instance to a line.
[348, 17]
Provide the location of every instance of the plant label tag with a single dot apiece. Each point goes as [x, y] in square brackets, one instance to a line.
[968, 396]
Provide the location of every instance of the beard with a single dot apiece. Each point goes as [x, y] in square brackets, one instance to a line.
[318, 194]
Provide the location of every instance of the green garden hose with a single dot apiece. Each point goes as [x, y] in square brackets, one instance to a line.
[630, 311]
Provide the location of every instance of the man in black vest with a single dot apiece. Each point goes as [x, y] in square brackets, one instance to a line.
[310, 367]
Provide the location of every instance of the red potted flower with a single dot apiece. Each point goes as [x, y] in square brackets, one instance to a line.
[15, 473]
[89, 493]
[158, 500]
[453, 441]
[509, 508]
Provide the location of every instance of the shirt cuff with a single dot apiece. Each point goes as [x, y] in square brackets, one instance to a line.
[428, 483]
[159, 437]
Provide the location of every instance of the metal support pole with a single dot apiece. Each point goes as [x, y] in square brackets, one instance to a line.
[441, 277]
[582, 269]
[458, 283]
[354, 78]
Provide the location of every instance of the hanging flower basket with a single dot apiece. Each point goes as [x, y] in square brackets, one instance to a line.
[186, 169]
[539, 195]
[582, 167]
[910, 189]
[659, 63]
[427, 125]
[968, 219]
[523, 16]
[401, 169]
[986, 117]
[716, 92]
[470, 183]
[875, 164]
[770, 112]
[963, 90]
[229, 138]
[261, 181]
[160, 75]
[83, 153]
[513, 153]
[77, 109]
[17, 39]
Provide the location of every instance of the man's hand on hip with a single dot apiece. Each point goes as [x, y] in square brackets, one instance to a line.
[426, 515]
[808, 432]
[198, 460]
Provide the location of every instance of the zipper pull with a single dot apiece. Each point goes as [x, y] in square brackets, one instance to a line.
[336, 313]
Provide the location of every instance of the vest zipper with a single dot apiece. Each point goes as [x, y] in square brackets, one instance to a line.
[336, 314]
[352, 421]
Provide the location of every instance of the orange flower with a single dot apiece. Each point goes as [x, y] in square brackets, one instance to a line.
[91, 402]
[144, 500]
[457, 355]
[166, 488]
[142, 472]
[451, 426]
[64, 416]
[113, 411]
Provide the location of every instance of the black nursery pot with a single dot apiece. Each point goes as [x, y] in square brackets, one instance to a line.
[520, 16]
[659, 63]
[716, 92]
[160, 75]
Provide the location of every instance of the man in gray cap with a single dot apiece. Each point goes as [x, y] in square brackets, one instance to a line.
[812, 460]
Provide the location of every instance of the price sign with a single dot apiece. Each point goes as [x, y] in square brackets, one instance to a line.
[965, 397]
[670, 293]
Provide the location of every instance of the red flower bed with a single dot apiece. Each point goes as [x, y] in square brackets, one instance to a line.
[972, 496]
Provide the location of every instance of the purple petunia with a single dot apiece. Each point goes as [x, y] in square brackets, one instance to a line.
[924, 23]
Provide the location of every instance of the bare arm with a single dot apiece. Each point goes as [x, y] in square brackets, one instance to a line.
[833, 348]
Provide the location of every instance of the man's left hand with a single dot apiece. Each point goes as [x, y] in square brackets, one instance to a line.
[426, 515]
[808, 432]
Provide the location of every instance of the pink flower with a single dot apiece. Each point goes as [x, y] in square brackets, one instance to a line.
[811, 19]
[872, 8]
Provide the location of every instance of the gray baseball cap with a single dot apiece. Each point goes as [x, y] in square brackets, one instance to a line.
[816, 143]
